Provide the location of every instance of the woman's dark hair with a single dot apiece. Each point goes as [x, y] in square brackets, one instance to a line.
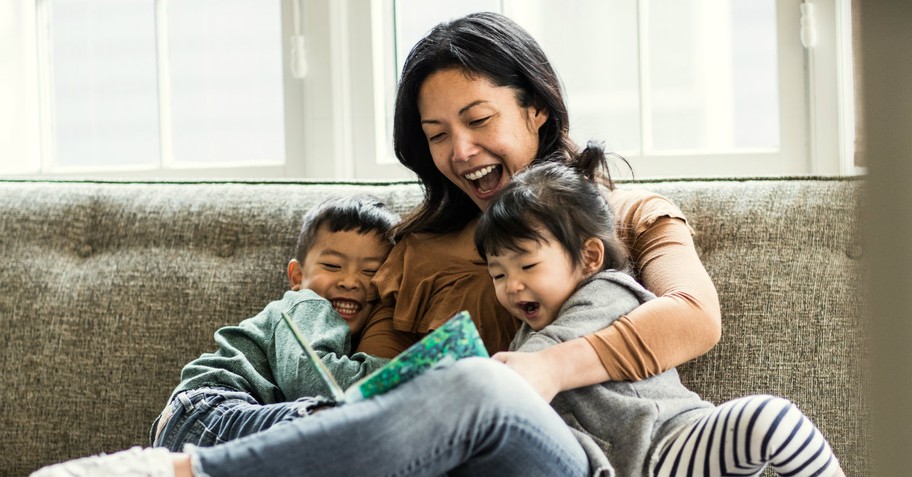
[361, 213]
[564, 200]
[484, 45]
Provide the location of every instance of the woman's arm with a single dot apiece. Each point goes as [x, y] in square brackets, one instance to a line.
[683, 323]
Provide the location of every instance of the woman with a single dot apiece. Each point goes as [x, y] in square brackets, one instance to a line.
[478, 101]
[456, 119]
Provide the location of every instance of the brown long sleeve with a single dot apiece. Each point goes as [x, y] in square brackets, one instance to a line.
[427, 279]
[685, 321]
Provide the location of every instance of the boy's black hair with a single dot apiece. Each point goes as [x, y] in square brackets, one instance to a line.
[564, 200]
[361, 213]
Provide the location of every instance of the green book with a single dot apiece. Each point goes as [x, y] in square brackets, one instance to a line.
[458, 338]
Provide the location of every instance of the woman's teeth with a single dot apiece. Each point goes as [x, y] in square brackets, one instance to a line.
[486, 179]
[474, 176]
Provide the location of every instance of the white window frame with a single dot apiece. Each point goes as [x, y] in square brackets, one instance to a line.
[816, 138]
[38, 107]
[337, 117]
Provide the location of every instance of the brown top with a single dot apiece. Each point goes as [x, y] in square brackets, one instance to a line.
[428, 278]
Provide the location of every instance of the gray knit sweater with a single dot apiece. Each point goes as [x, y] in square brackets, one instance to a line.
[619, 424]
[261, 357]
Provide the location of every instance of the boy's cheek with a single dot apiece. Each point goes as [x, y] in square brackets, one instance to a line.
[358, 323]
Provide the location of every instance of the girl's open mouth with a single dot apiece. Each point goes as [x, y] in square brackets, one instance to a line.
[529, 308]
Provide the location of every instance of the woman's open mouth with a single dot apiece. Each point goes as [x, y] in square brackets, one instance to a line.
[485, 179]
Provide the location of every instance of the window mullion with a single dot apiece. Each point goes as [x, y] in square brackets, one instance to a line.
[643, 63]
[164, 84]
[46, 113]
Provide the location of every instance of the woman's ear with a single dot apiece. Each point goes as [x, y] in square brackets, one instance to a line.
[295, 274]
[593, 255]
[537, 115]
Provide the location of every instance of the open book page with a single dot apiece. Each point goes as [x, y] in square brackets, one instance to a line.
[456, 339]
[338, 394]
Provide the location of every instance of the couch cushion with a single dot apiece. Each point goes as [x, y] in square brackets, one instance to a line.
[110, 288]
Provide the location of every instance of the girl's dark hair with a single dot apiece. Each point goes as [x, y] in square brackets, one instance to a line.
[484, 45]
[564, 200]
[361, 213]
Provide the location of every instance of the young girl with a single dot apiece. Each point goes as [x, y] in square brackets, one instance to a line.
[551, 250]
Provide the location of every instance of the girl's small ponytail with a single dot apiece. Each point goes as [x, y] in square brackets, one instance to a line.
[592, 163]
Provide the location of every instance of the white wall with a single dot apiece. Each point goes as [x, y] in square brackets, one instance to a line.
[888, 127]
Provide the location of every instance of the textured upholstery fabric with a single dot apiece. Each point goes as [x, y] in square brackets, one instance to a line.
[108, 289]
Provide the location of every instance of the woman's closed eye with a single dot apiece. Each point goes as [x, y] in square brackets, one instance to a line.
[437, 137]
[479, 121]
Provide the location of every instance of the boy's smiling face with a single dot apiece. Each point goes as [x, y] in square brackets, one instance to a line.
[339, 267]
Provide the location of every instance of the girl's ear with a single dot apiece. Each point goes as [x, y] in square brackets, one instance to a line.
[593, 255]
[295, 274]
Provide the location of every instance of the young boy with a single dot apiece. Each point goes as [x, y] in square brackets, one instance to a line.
[259, 376]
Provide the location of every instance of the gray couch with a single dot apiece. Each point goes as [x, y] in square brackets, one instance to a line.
[109, 288]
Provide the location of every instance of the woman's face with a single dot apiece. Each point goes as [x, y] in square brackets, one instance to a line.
[478, 133]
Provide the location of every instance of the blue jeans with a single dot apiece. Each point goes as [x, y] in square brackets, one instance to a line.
[475, 417]
[208, 416]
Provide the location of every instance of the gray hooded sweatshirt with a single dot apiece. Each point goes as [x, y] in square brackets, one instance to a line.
[619, 424]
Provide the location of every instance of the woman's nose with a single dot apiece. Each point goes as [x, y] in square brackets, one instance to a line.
[464, 146]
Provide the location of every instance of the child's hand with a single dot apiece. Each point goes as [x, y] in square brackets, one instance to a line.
[536, 369]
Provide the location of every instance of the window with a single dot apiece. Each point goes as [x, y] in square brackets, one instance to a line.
[138, 88]
[158, 86]
[680, 87]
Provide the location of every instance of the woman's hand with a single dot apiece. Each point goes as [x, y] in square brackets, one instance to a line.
[568, 365]
[536, 369]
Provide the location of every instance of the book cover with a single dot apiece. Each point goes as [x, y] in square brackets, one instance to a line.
[456, 339]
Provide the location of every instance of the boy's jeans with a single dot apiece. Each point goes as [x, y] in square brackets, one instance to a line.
[475, 417]
[208, 416]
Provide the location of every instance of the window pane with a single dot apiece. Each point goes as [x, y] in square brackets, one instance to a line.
[414, 18]
[595, 55]
[712, 76]
[226, 80]
[104, 80]
[649, 76]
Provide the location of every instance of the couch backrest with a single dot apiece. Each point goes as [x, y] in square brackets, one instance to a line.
[786, 258]
[110, 288]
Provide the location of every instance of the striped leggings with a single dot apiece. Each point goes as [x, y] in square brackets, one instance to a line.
[742, 437]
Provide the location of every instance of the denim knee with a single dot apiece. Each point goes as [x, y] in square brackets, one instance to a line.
[497, 386]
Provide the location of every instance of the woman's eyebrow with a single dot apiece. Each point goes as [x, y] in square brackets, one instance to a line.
[461, 111]
[471, 105]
